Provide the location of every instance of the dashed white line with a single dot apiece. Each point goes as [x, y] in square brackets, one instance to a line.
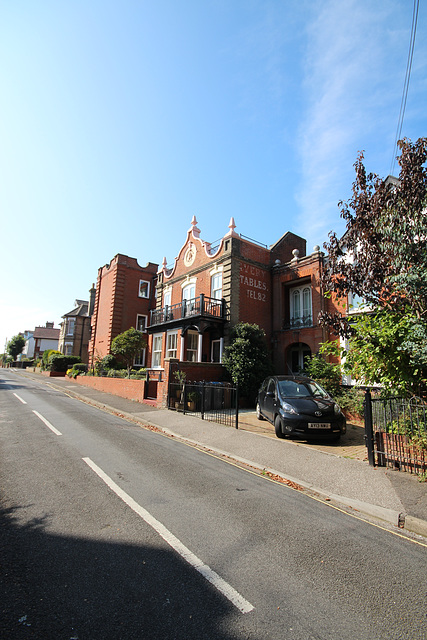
[226, 589]
[19, 398]
[47, 423]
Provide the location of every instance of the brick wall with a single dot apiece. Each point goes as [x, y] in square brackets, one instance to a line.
[125, 388]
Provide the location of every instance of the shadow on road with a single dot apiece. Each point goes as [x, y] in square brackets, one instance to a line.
[70, 588]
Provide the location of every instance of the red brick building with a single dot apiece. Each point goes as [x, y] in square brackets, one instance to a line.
[210, 289]
[125, 294]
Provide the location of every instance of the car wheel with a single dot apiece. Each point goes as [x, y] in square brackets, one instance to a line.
[278, 427]
[258, 412]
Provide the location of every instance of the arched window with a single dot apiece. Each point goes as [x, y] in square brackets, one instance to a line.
[300, 303]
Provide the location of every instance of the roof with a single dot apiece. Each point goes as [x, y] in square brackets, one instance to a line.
[82, 309]
[46, 333]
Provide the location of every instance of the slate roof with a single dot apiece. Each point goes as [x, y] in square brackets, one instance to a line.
[82, 309]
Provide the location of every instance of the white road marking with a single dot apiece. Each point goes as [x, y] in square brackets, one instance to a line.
[47, 423]
[227, 590]
[19, 398]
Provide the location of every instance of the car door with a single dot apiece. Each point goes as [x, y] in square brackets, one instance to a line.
[270, 400]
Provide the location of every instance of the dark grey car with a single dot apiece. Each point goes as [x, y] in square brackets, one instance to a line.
[299, 406]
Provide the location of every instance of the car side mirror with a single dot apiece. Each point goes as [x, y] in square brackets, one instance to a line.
[270, 394]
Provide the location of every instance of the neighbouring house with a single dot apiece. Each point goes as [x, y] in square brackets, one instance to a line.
[45, 338]
[125, 294]
[75, 329]
[28, 350]
[210, 289]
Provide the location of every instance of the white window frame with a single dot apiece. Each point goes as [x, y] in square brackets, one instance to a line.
[216, 286]
[215, 342]
[301, 306]
[140, 358]
[167, 297]
[141, 289]
[71, 325]
[171, 344]
[157, 351]
[138, 316]
[192, 351]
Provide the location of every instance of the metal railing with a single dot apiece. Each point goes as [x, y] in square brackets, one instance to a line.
[396, 432]
[201, 306]
[299, 323]
[214, 401]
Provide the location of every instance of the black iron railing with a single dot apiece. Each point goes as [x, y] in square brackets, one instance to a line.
[201, 306]
[298, 323]
[396, 432]
[214, 401]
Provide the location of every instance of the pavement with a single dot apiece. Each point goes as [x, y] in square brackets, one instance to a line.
[338, 474]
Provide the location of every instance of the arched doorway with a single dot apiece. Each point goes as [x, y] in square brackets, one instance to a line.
[297, 353]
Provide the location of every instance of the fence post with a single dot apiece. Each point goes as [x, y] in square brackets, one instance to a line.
[369, 431]
[237, 406]
[202, 408]
[184, 397]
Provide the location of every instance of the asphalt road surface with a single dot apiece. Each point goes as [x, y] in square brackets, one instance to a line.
[112, 531]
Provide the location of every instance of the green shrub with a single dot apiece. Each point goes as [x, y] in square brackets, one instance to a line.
[77, 369]
[138, 374]
[109, 362]
[45, 358]
[59, 362]
[117, 373]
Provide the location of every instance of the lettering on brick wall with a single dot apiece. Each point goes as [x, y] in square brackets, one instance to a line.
[253, 279]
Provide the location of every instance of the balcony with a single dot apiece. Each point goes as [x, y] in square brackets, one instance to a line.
[302, 322]
[197, 308]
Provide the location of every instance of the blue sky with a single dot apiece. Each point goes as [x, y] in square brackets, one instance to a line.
[119, 121]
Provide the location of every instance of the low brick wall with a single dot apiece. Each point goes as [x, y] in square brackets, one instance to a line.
[53, 374]
[123, 387]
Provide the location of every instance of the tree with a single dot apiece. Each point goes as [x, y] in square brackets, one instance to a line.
[382, 258]
[15, 346]
[247, 359]
[127, 345]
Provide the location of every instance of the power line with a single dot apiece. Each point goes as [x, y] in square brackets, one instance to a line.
[406, 83]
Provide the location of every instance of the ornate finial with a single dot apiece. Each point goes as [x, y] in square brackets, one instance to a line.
[193, 229]
[164, 263]
[295, 253]
[231, 226]
[316, 248]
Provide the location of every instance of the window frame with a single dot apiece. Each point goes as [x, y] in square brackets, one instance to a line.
[138, 316]
[142, 295]
[156, 359]
[301, 306]
[171, 335]
[215, 290]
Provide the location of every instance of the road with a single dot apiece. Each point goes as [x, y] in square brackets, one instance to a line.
[112, 531]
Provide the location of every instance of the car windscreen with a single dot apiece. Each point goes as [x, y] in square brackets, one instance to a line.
[301, 389]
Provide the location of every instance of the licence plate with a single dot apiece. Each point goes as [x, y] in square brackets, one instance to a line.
[319, 425]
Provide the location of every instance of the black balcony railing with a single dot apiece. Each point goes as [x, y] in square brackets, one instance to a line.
[299, 323]
[201, 306]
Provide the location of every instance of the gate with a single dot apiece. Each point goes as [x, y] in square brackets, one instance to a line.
[396, 433]
[152, 380]
[215, 401]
